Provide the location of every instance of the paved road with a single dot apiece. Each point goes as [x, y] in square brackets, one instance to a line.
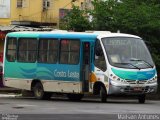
[87, 107]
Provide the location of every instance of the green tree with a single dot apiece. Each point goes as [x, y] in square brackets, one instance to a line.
[76, 20]
[141, 17]
[103, 14]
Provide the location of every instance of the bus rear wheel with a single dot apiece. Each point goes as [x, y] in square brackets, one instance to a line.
[142, 98]
[39, 92]
[75, 97]
[103, 94]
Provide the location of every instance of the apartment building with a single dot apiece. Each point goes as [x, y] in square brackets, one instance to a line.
[34, 13]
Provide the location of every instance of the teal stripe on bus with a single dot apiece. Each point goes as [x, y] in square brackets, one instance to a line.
[69, 36]
[23, 35]
[52, 35]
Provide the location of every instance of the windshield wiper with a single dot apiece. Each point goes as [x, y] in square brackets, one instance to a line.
[134, 66]
[130, 64]
[134, 59]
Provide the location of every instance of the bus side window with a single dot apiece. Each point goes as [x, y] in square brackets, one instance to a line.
[48, 51]
[11, 49]
[69, 51]
[99, 57]
[27, 50]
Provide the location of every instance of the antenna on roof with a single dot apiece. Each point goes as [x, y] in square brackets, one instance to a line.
[98, 32]
[59, 31]
[118, 31]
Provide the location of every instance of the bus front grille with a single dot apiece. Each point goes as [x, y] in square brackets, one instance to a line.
[131, 90]
[136, 81]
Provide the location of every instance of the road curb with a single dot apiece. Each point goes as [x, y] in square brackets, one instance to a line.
[10, 95]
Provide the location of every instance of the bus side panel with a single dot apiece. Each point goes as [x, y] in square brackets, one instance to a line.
[62, 86]
[54, 77]
[19, 75]
[59, 77]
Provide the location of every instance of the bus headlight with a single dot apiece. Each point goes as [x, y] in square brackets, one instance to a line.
[116, 79]
[113, 77]
[153, 80]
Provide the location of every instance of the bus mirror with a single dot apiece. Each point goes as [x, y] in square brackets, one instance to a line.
[99, 52]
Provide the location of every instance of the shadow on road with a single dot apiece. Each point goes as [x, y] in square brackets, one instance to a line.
[87, 100]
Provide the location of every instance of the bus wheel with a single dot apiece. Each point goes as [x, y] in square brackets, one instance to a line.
[141, 98]
[39, 92]
[103, 94]
[75, 97]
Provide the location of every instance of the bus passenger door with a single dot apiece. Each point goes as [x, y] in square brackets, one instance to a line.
[86, 67]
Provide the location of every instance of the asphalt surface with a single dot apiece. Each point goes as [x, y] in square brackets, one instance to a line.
[28, 108]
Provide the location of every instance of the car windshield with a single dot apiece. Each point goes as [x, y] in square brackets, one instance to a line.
[127, 52]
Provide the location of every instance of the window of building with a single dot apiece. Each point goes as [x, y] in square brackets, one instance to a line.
[27, 51]
[11, 49]
[47, 4]
[19, 3]
[48, 51]
[22, 3]
[69, 52]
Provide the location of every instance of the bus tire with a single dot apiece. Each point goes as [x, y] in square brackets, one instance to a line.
[142, 98]
[103, 94]
[39, 92]
[75, 97]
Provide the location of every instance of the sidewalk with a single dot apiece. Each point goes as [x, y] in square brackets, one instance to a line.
[13, 92]
[8, 95]
[4, 90]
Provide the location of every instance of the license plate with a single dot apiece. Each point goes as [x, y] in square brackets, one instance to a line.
[137, 89]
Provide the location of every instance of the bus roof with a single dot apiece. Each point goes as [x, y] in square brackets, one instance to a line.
[116, 35]
[53, 35]
[65, 34]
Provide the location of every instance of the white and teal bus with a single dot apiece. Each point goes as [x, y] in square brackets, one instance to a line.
[73, 63]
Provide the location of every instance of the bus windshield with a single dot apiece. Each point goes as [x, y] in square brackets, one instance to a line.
[127, 52]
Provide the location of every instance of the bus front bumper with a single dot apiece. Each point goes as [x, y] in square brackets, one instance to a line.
[132, 89]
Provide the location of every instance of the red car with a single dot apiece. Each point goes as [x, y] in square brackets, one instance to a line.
[1, 57]
[1, 70]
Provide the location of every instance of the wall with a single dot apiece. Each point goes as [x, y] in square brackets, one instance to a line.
[32, 10]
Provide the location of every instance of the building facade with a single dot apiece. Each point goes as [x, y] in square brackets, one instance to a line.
[34, 13]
